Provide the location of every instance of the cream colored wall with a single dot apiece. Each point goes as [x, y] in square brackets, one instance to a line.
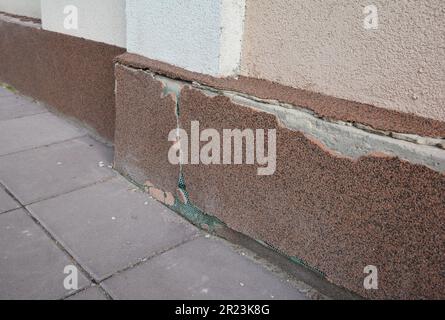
[322, 45]
[98, 20]
[28, 8]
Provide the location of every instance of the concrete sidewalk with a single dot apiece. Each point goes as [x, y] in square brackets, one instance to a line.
[61, 203]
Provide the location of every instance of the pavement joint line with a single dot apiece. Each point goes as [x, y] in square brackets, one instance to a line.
[99, 286]
[52, 238]
[150, 257]
[61, 247]
[106, 179]
[105, 292]
[9, 193]
[88, 274]
[44, 146]
[74, 292]
[12, 196]
[7, 211]
[25, 116]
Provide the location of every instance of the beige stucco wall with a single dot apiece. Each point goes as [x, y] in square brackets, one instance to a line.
[322, 45]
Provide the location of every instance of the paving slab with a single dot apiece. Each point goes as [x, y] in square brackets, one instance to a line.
[16, 107]
[111, 226]
[91, 293]
[31, 264]
[9, 98]
[34, 131]
[44, 172]
[6, 201]
[200, 269]
[5, 92]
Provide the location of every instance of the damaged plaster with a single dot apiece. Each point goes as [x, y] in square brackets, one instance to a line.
[332, 189]
[341, 138]
[348, 141]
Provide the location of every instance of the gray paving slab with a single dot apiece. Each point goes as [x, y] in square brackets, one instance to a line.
[6, 201]
[110, 226]
[44, 172]
[200, 269]
[31, 265]
[11, 108]
[91, 293]
[10, 98]
[34, 131]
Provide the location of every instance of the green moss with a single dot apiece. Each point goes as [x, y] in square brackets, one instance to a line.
[193, 213]
[8, 87]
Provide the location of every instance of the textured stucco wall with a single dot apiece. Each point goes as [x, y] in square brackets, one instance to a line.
[198, 35]
[323, 46]
[28, 8]
[99, 20]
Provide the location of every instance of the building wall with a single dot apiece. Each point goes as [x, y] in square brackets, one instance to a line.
[99, 20]
[341, 198]
[355, 184]
[71, 75]
[28, 8]
[323, 46]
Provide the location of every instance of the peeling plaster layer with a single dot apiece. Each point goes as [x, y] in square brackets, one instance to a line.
[200, 36]
[27, 8]
[348, 141]
[322, 46]
[372, 117]
[342, 139]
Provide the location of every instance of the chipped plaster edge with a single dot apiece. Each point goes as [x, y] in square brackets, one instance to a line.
[341, 138]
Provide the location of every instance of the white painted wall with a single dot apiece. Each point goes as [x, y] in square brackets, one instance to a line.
[27, 8]
[204, 36]
[98, 20]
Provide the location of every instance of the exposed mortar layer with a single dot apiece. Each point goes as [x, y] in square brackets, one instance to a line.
[343, 139]
[435, 142]
[349, 141]
[329, 107]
